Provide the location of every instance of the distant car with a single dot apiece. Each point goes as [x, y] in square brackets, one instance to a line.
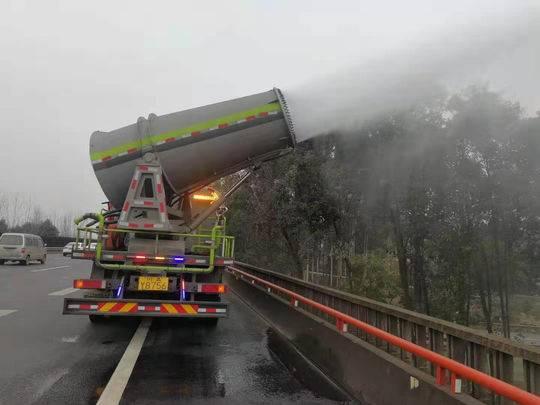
[81, 246]
[68, 249]
[22, 248]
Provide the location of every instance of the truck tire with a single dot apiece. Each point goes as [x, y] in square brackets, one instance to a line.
[2, 262]
[97, 318]
[212, 322]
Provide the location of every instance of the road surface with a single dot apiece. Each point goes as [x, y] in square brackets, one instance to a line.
[50, 358]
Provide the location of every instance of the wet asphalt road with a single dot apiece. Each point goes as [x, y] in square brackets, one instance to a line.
[50, 358]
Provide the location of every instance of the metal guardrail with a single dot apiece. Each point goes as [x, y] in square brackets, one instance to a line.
[491, 355]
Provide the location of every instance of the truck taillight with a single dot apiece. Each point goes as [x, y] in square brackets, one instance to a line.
[213, 288]
[89, 284]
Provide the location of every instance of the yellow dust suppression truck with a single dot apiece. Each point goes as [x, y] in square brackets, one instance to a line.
[160, 247]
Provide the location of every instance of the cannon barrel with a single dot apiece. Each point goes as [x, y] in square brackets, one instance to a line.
[196, 146]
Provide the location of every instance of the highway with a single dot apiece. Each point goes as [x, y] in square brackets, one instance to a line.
[50, 358]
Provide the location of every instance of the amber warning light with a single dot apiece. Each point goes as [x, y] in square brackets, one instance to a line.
[205, 197]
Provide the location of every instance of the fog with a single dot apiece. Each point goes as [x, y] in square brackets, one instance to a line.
[489, 53]
[70, 68]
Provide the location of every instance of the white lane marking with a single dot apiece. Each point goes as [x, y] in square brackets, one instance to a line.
[65, 291]
[112, 394]
[70, 339]
[50, 268]
[4, 312]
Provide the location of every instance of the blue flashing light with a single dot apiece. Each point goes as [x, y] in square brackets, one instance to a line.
[178, 259]
[183, 291]
[119, 292]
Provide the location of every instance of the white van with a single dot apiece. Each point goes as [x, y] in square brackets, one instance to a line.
[22, 248]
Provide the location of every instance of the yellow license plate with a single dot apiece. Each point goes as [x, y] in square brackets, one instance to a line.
[153, 283]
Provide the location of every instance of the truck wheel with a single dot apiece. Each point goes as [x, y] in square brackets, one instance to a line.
[212, 322]
[2, 262]
[97, 318]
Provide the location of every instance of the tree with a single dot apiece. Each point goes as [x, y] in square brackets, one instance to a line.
[47, 230]
[450, 190]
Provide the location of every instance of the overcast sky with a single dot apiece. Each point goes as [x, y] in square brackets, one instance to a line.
[68, 68]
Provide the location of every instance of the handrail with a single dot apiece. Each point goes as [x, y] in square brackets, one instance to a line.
[444, 363]
[484, 339]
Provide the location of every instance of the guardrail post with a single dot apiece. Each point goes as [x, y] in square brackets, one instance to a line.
[341, 326]
[440, 375]
[405, 332]
[378, 324]
[385, 325]
[393, 328]
[479, 357]
[502, 367]
[420, 339]
[455, 384]
[371, 319]
[436, 343]
[457, 349]
[532, 376]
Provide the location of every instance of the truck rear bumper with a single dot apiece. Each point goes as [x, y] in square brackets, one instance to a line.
[147, 308]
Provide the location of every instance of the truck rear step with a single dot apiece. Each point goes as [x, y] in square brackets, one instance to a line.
[147, 308]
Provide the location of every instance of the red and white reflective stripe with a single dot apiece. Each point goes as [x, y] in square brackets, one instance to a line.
[114, 257]
[221, 125]
[159, 184]
[160, 308]
[192, 260]
[224, 262]
[148, 169]
[149, 308]
[212, 310]
[84, 307]
[136, 225]
[143, 203]
[85, 255]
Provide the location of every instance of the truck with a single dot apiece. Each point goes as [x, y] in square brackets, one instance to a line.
[160, 246]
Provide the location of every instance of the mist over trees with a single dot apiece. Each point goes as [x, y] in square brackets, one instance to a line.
[436, 209]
